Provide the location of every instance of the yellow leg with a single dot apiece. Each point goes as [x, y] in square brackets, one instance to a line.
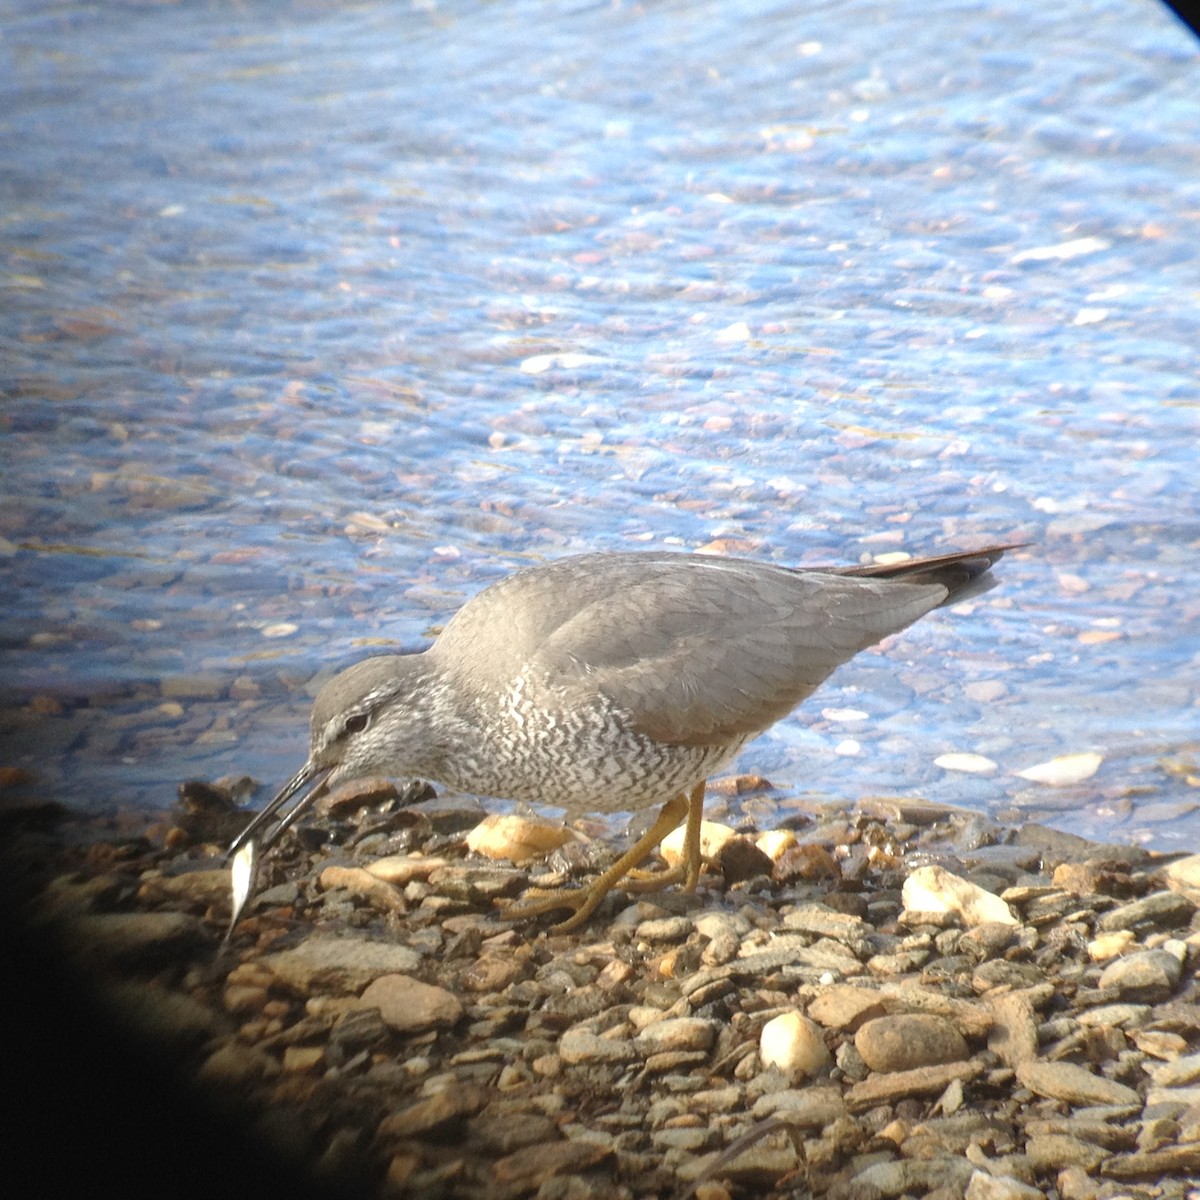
[586, 899]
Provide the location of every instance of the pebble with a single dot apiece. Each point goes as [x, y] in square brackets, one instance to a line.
[983, 1186]
[674, 1034]
[583, 1046]
[886, 1088]
[1163, 910]
[812, 1108]
[517, 838]
[1054, 1151]
[1036, 1036]
[1147, 975]
[935, 890]
[1074, 1084]
[845, 1007]
[1065, 770]
[900, 1043]
[1013, 1035]
[324, 962]
[409, 1006]
[713, 836]
[794, 1044]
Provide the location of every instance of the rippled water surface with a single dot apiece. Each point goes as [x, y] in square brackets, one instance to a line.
[315, 320]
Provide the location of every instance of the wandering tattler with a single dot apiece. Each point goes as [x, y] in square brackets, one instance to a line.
[606, 683]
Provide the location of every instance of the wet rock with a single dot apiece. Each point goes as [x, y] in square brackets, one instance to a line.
[402, 869]
[1183, 875]
[1181, 1071]
[348, 798]
[740, 859]
[900, 1043]
[493, 973]
[1169, 1162]
[410, 1006]
[910, 1175]
[504, 1132]
[757, 1168]
[712, 837]
[366, 885]
[665, 929]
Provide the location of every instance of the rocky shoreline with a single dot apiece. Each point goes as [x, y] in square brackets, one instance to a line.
[896, 1000]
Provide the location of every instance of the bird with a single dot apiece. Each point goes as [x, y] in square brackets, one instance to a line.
[606, 682]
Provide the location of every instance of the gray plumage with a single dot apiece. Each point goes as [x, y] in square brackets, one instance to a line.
[610, 682]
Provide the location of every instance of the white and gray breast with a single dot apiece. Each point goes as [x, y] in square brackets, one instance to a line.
[581, 756]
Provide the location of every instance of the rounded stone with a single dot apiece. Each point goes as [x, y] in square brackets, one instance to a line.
[908, 1040]
[793, 1043]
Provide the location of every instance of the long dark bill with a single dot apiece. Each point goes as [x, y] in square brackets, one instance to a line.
[246, 848]
[301, 779]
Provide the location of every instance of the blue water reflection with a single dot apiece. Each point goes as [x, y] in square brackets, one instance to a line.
[315, 320]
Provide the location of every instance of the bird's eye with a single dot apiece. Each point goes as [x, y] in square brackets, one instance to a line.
[355, 724]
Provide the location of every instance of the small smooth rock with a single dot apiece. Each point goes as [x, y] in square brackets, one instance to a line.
[676, 1033]
[410, 1006]
[517, 838]
[527, 1169]
[844, 1007]
[1183, 1070]
[1054, 1151]
[1184, 874]
[933, 889]
[916, 1176]
[971, 764]
[909, 1040]
[1065, 770]
[434, 1112]
[712, 837]
[1163, 910]
[792, 1042]
[1148, 975]
[324, 962]
[775, 843]
[810, 1108]
[583, 1046]
[983, 1186]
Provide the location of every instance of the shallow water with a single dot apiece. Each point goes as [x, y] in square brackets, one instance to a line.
[316, 321]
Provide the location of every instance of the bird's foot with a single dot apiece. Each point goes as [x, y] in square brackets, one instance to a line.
[584, 901]
[653, 881]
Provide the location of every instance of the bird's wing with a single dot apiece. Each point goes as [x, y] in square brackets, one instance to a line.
[701, 651]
